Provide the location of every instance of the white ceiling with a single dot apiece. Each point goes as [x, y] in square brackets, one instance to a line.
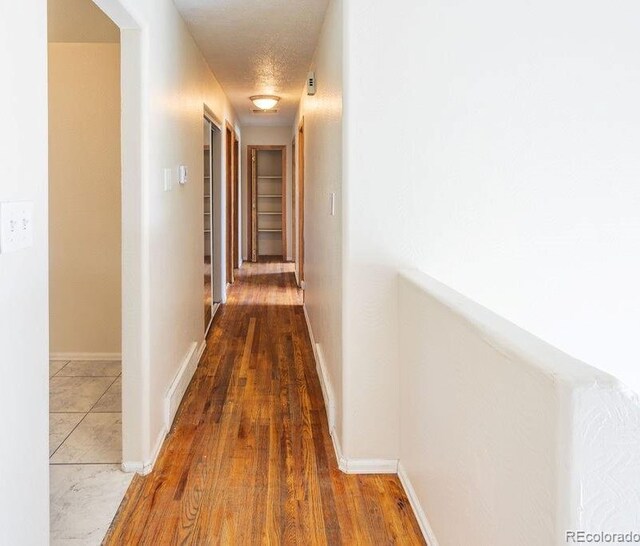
[257, 47]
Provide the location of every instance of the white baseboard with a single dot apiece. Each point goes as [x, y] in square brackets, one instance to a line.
[362, 466]
[146, 467]
[171, 403]
[369, 466]
[85, 356]
[425, 526]
[321, 370]
[348, 466]
[181, 382]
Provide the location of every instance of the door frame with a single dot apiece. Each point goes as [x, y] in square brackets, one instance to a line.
[252, 220]
[135, 238]
[294, 209]
[300, 165]
[230, 198]
[218, 292]
[236, 201]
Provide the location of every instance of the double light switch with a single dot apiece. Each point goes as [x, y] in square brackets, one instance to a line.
[16, 226]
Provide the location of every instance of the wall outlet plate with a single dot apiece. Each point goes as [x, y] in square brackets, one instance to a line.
[16, 226]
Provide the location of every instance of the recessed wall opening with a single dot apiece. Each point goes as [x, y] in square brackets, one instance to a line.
[212, 212]
[91, 167]
[268, 202]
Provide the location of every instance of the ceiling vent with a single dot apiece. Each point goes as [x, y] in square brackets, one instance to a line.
[258, 111]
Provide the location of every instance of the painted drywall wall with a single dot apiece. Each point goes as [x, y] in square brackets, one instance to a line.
[322, 115]
[570, 459]
[24, 343]
[508, 170]
[84, 198]
[165, 251]
[261, 136]
[79, 21]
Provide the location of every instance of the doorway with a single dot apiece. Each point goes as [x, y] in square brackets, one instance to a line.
[236, 201]
[212, 212]
[267, 202]
[300, 165]
[231, 210]
[92, 162]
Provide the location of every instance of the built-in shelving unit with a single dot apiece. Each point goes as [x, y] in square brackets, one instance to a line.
[268, 201]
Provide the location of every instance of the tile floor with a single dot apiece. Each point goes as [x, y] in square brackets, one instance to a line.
[85, 445]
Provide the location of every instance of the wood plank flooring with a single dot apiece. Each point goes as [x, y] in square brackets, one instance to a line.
[249, 459]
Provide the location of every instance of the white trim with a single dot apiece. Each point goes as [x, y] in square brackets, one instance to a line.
[362, 466]
[85, 356]
[369, 466]
[348, 466]
[171, 403]
[146, 467]
[181, 382]
[425, 526]
[214, 310]
[325, 383]
[327, 388]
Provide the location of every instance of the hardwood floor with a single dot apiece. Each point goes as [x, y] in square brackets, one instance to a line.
[249, 459]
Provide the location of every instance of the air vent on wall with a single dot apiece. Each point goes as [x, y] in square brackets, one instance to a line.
[272, 111]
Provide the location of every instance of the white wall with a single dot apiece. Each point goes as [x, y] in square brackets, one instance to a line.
[24, 343]
[162, 248]
[322, 115]
[505, 432]
[84, 198]
[261, 136]
[494, 146]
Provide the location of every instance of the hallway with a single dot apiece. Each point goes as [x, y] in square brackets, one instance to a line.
[249, 458]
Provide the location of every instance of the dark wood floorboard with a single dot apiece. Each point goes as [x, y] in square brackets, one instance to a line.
[249, 459]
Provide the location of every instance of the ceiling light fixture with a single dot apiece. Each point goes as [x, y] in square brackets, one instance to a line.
[264, 102]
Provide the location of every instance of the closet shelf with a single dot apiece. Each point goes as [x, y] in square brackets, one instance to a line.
[274, 212]
[270, 195]
[276, 177]
[269, 231]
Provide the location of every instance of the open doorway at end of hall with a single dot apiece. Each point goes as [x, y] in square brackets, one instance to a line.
[267, 202]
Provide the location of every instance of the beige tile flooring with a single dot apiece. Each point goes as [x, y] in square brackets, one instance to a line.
[85, 449]
[85, 419]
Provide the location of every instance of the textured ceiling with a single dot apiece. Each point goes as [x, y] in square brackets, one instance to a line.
[257, 47]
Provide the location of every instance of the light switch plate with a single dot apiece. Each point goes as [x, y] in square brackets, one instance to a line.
[16, 226]
[182, 174]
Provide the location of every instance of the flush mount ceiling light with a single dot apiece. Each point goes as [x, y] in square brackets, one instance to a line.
[264, 102]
